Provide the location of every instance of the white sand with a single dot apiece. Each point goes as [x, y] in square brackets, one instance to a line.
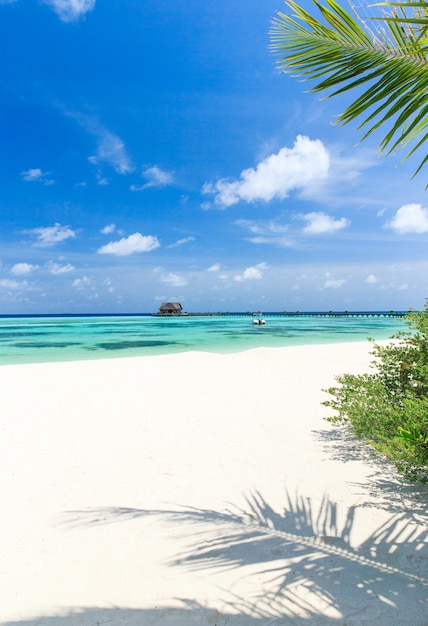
[200, 489]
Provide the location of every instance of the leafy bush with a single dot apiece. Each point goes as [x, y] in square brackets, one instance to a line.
[389, 408]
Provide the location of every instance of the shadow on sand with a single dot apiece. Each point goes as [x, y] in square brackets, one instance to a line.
[190, 614]
[302, 562]
[383, 488]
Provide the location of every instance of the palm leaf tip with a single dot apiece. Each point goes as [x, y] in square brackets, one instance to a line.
[386, 62]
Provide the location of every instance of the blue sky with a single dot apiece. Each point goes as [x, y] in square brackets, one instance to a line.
[152, 151]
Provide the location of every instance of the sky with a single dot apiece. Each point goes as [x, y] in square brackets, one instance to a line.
[153, 151]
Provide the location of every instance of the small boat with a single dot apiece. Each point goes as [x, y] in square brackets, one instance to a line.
[258, 320]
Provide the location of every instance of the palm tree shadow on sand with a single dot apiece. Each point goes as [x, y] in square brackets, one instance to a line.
[301, 562]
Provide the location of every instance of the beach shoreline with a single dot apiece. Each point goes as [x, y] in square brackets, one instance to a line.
[196, 486]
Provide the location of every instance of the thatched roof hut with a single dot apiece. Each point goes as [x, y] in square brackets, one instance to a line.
[170, 308]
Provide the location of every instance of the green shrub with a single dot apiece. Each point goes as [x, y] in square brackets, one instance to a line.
[389, 407]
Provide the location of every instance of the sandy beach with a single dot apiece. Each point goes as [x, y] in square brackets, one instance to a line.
[201, 489]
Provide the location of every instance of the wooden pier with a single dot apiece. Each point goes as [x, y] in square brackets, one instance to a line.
[344, 314]
[319, 314]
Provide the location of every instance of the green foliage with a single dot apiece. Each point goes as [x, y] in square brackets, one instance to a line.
[383, 57]
[389, 407]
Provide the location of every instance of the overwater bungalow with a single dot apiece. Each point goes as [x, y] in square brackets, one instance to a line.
[170, 308]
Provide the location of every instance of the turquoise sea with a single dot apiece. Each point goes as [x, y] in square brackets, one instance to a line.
[69, 338]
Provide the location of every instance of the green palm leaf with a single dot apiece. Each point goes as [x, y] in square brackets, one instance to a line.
[387, 61]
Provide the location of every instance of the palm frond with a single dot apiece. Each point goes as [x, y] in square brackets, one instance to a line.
[387, 60]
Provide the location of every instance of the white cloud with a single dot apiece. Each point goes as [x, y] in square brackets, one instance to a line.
[334, 284]
[262, 228]
[111, 150]
[155, 178]
[214, 268]
[107, 230]
[270, 232]
[12, 285]
[283, 242]
[51, 235]
[36, 174]
[108, 284]
[371, 279]
[57, 268]
[70, 10]
[254, 272]
[410, 218]
[80, 283]
[23, 268]
[181, 242]
[173, 279]
[274, 177]
[129, 245]
[321, 223]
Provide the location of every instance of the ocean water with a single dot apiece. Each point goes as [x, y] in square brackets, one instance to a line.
[71, 338]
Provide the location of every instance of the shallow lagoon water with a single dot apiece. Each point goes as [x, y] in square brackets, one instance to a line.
[51, 339]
